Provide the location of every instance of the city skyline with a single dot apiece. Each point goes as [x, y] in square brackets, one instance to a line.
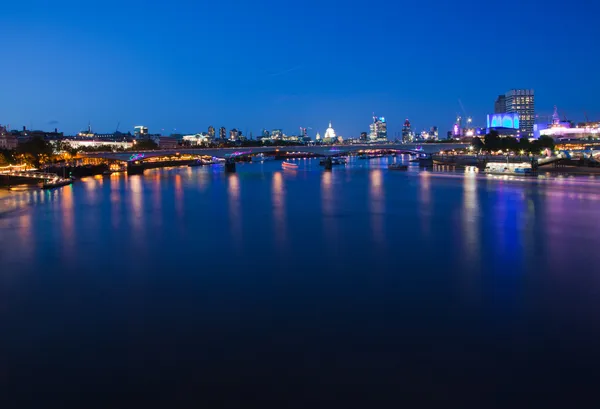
[61, 73]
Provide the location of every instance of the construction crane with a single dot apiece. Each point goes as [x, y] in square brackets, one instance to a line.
[303, 130]
[469, 119]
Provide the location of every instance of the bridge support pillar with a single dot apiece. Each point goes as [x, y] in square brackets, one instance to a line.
[230, 166]
[135, 169]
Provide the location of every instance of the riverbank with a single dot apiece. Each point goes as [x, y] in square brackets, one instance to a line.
[573, 170]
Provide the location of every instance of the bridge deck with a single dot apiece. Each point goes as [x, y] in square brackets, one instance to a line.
[316, 150]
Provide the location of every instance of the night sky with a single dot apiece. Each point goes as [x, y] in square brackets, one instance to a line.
[186, 65]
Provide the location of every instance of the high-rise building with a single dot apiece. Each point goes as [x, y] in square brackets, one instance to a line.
[378, 129]
[433, 133]
[265, 134]
[211, 132]
[234, 134]
[363, 136]
[522, 102]
[500, 105]
[406, 132]
[138, 131]
[222, 133]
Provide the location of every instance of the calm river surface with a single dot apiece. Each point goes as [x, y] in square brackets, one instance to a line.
[360, 286]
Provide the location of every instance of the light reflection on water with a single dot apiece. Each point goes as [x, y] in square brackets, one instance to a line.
[235, 209]
[279, 211]
[385, 271]
[377, 205]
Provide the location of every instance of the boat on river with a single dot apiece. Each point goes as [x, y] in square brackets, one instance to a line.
[261, 157]
[289, 165]
[498, 168]
[57, 182]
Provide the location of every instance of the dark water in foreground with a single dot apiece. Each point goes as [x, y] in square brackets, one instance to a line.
[359, 287]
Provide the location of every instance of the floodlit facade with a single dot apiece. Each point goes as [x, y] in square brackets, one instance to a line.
[329, 133]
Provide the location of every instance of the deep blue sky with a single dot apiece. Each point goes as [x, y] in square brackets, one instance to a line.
[279, 64]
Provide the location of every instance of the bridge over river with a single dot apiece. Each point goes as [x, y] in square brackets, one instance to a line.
[428, 148]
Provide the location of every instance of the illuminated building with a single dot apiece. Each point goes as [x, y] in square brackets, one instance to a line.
[7, 139]
[93, 143]
[522, 102]
[363, 136]
[564, 130]
[234, 134]
[406, 132]
[211, 132]
[277, 134]
[139, 131]
[378, 129]
[222, 133]
[329, 133]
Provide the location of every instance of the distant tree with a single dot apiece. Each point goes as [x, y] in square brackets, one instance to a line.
[3, 158]
[524, 145]
[492, 141]
[35, 151]
[546, 142]
[144, 145]
[509, 143]
[477, 144]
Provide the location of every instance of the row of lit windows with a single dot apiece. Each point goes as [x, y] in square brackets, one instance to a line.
[523, 92]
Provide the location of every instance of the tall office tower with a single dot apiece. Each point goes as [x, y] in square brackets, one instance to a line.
[211, 132]
[522, 102]
[222, 133]
[406, 132]
[500, 105]
[378, 129]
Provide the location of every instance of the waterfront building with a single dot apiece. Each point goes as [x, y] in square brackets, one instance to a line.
[234, 134]
[406, 132]
[222, 133]
[522, 102]
[26, 135]
[505, 124]
[7, 139]
[500, 105]
[78, 142]
[139, 131]
[564, 130]
[329, 134]
[193, 140]
[89, 134]
[211, 132]
[166, 142]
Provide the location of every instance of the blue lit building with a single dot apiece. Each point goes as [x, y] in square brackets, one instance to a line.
[506, 124]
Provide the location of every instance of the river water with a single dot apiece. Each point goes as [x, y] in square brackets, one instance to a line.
[360, 286]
